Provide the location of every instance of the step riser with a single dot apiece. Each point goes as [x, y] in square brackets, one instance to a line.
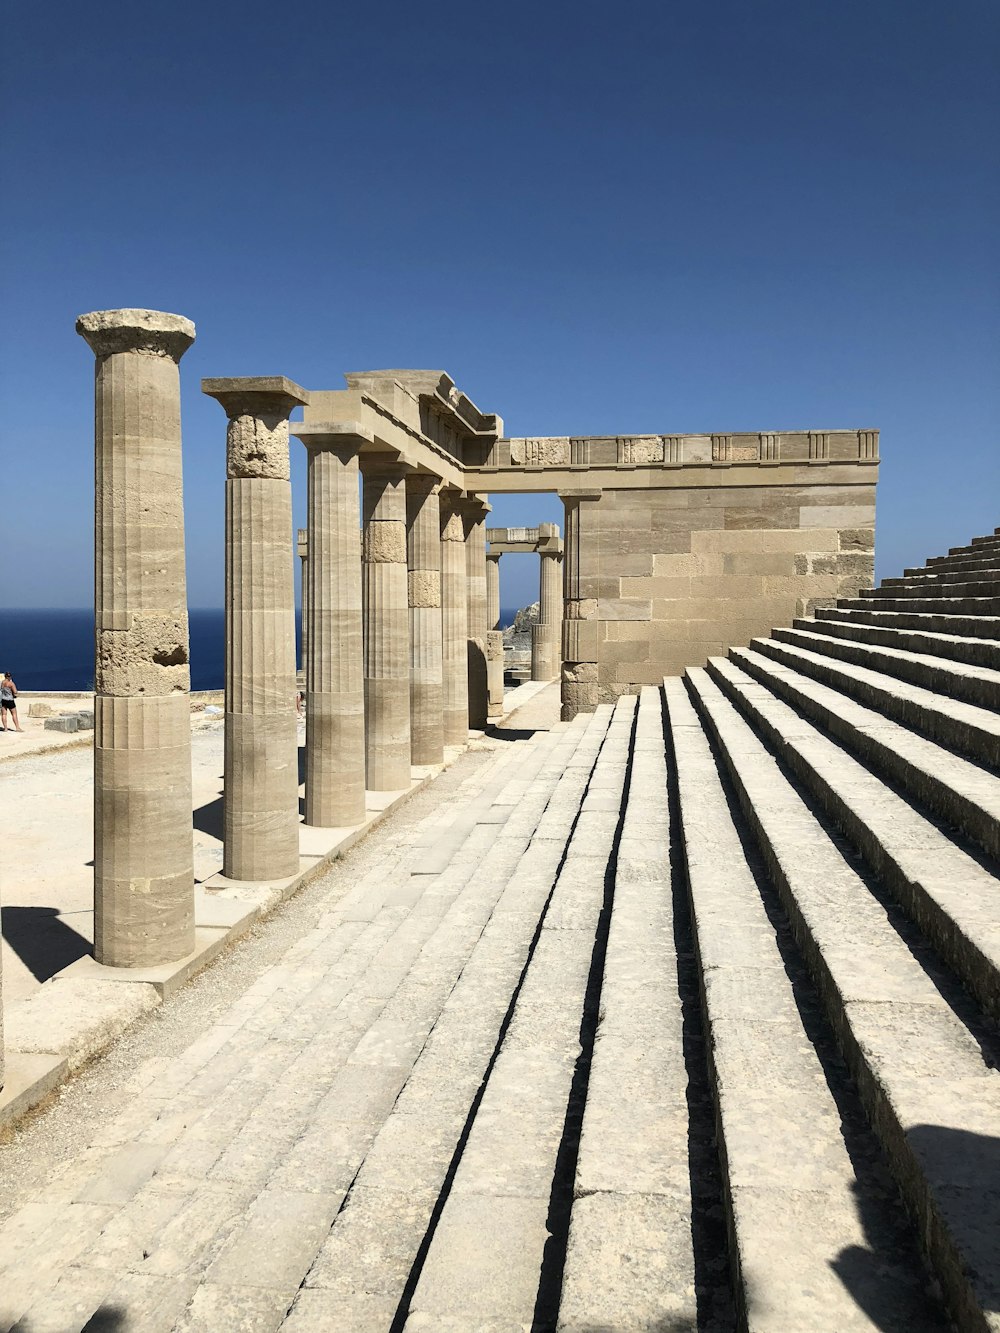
[935, 606]
[922, 787]
[969, 740]
[952, 564]
[970, 652]
[974, 571]
[931, 588]
[970, 689]
[972, 627]
[978, 972]
[919, 1196]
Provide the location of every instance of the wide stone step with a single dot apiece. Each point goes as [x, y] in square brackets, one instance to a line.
[970, 684]
[974, 570]
[947, 892]
[493, 1257]
[273, 1108]
[973, 652]
[931, 1098]
[944, 606]
[971, 731]
[958, 564]
[960, 792]
[368, 1266]
[630, 1260]
[972, 627]
[794, 1211]
[927, 586]
[991, 540]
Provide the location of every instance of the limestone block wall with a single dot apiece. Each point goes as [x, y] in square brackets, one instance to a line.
[674, 575]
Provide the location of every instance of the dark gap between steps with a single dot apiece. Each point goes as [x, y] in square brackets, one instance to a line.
[709, 1232]
[410, 1287]
[892, 1241]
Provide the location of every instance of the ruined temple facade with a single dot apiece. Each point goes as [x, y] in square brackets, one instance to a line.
[676, 546]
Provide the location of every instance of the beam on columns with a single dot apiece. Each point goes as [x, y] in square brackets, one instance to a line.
[261, 783]
[386, 622]
[142, 718]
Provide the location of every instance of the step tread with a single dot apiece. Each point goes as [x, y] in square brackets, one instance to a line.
[920, 1071]
[633, 1175]
[978, 729]
[486, 1253]
[984, 627]
[934, 643]
[959, 891]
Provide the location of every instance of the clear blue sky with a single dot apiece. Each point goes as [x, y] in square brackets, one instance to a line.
[598, 218]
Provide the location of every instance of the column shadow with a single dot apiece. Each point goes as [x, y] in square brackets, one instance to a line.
[208, 818]
[42, 940]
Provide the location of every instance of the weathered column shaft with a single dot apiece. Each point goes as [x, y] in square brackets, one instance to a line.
[387, 629]
[579, 633]
[302, 547]
[261, 783]
[143, 844]
[454, 623]
[423, 549]
[475, 555]
[492, 590]
[546, 636]
[335, 693]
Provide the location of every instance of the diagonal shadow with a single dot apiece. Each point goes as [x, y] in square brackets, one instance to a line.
[208, 818]
[42, 940]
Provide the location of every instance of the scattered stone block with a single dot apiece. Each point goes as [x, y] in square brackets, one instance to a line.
[69, 723]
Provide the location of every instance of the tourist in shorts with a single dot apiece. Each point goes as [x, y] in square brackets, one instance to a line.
[8, 703]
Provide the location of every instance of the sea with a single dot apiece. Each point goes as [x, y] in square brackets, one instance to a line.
[54, 650]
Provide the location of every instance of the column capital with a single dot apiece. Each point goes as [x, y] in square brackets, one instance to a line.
[258, 408]
[153, 332]
[388, 462]
[256, 395]
[343, 438]
[572, 497]
[423, 483]
[494, 556]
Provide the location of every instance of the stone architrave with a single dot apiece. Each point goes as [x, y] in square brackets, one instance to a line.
[476, 510]
[335, 693]
[546, 636]
[143, 837]
[492, 590]
[454, 621]
[386, 623]
[261, 783]
[423, 546]
[579, 627]
[302, 548]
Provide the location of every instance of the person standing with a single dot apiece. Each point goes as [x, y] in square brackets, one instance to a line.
[8, 703]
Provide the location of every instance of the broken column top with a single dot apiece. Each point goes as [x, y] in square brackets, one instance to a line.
[154, 332]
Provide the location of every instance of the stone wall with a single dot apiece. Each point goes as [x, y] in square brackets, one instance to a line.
[673, 576]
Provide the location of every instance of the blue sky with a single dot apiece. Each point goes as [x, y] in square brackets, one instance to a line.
[598, 219]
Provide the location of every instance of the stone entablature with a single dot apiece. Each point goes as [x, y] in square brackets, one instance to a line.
[672, 451]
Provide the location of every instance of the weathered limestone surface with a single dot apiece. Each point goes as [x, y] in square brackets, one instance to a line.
[492, 588]
[423, 545]
[335, 695]
[494, 672]
[302, 550]
[546, 636]
[386, 617]
[476, 510]
[260, 795]
[143, 851]
[454, 621]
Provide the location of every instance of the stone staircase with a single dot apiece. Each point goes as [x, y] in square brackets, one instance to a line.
[682, 1015]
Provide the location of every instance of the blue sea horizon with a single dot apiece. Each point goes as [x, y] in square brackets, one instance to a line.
[54, 649]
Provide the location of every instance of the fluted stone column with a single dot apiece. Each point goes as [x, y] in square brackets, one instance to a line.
[302, 547]
[546, 636]
[143, 845]
[423, 550]
[492, 590]
[335, 693]
[386, 623]
[581, 571]
[475, 557]
[454, 622]
[261, 783]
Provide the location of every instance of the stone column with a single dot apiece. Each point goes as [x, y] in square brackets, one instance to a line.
[335, 693]
[579, 629]
[492, 590]
[143, 847]
[546, 636]
[261, 783]
[387, 623]
[423, 550]
[454, 622]
[302, 546]
[476, 510]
